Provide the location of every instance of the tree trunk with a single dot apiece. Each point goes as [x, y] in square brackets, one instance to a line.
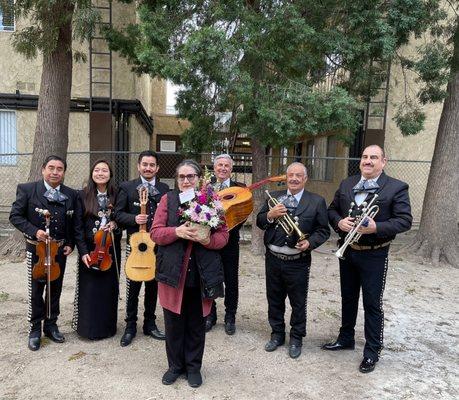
[51, 131]
[13, 247]
[438, 237]
[259, 172]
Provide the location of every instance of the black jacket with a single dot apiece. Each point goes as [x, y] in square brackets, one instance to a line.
[312, 219]
[394, 214]
[26, 219]
[127, 200]
[170, 258]
[84, 226]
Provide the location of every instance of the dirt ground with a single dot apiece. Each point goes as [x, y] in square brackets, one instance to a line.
[420, 359]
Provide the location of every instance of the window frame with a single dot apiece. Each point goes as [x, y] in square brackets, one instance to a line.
[10, 160]
[13, 27]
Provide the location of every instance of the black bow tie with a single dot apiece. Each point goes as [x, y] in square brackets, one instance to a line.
[219, 186]
[365, 186]
[152, 191]
[55, 196]
[102, 199]
[289, 201]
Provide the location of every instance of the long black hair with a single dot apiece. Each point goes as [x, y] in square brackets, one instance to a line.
[91, 204]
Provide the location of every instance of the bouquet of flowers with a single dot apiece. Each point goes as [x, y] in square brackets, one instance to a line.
[205, 211]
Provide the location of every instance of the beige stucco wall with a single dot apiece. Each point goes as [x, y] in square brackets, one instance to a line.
[418, 147]
[78, 164]
[165, 124]
[15, 68]
[138, 141]
[415, 147]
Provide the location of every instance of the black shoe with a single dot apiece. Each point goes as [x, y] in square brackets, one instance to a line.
[55, 335]
[155, 333]
[367, 365]
[230, 328]
[337, 345]
[126, 339]
[194, 379]
[34, 343]
[170, 377]
[210, 322]
[273, 344]
[294, 350]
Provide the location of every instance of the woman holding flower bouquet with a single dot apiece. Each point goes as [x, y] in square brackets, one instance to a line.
[188, 228]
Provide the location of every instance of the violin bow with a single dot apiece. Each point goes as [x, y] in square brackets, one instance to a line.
[116, 263]
[110, 206]
[47, 215]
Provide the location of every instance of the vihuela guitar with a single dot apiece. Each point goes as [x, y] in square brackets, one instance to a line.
[141, 263]
[238, 201]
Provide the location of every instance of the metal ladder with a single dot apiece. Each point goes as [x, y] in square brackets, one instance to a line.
[376, 107]
[100, 62]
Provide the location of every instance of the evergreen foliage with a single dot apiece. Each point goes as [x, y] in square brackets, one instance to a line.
[268, 61]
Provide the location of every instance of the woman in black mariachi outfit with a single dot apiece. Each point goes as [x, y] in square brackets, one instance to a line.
[96, 291]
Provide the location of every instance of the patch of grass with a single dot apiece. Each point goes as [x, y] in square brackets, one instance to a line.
[76, 356]
[331, 313]
[4, 296]
[410, 290]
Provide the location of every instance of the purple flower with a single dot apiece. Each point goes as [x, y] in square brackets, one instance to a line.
[208, 216]
[197, 209]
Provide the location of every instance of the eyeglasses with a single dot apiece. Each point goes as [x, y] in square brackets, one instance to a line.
[190, 177]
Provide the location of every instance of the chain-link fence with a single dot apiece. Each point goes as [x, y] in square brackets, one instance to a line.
[325, 174]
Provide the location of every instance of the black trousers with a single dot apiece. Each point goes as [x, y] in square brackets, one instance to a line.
[287, 278]
[366, 269]
[230, 260]
[186, 333]
[132, 303]
[38, 295]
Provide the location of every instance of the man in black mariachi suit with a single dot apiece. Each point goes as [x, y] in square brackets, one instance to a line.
[31, 198]
[127, 215]
[223, 166]
[365, 262]
[288, 260]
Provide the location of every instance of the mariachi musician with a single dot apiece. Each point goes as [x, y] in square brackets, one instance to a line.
[364, 264]
[98, 241]
[223, 166]
[288, 256]
[127, 215]
[32, 201]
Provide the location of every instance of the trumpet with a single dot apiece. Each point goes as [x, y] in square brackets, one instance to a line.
[369, 210]
[288, 224]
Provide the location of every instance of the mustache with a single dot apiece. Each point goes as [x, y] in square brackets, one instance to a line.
[293, 181]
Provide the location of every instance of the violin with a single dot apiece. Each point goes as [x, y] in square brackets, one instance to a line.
[46, 266]
[101, 259]
[237, 201]
[46, 269]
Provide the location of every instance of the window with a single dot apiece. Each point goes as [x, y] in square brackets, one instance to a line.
[319, 167]
[8, 138]
[171, 97]
[167, 146]
[7, 15]
[283, 158]
[298, 150]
